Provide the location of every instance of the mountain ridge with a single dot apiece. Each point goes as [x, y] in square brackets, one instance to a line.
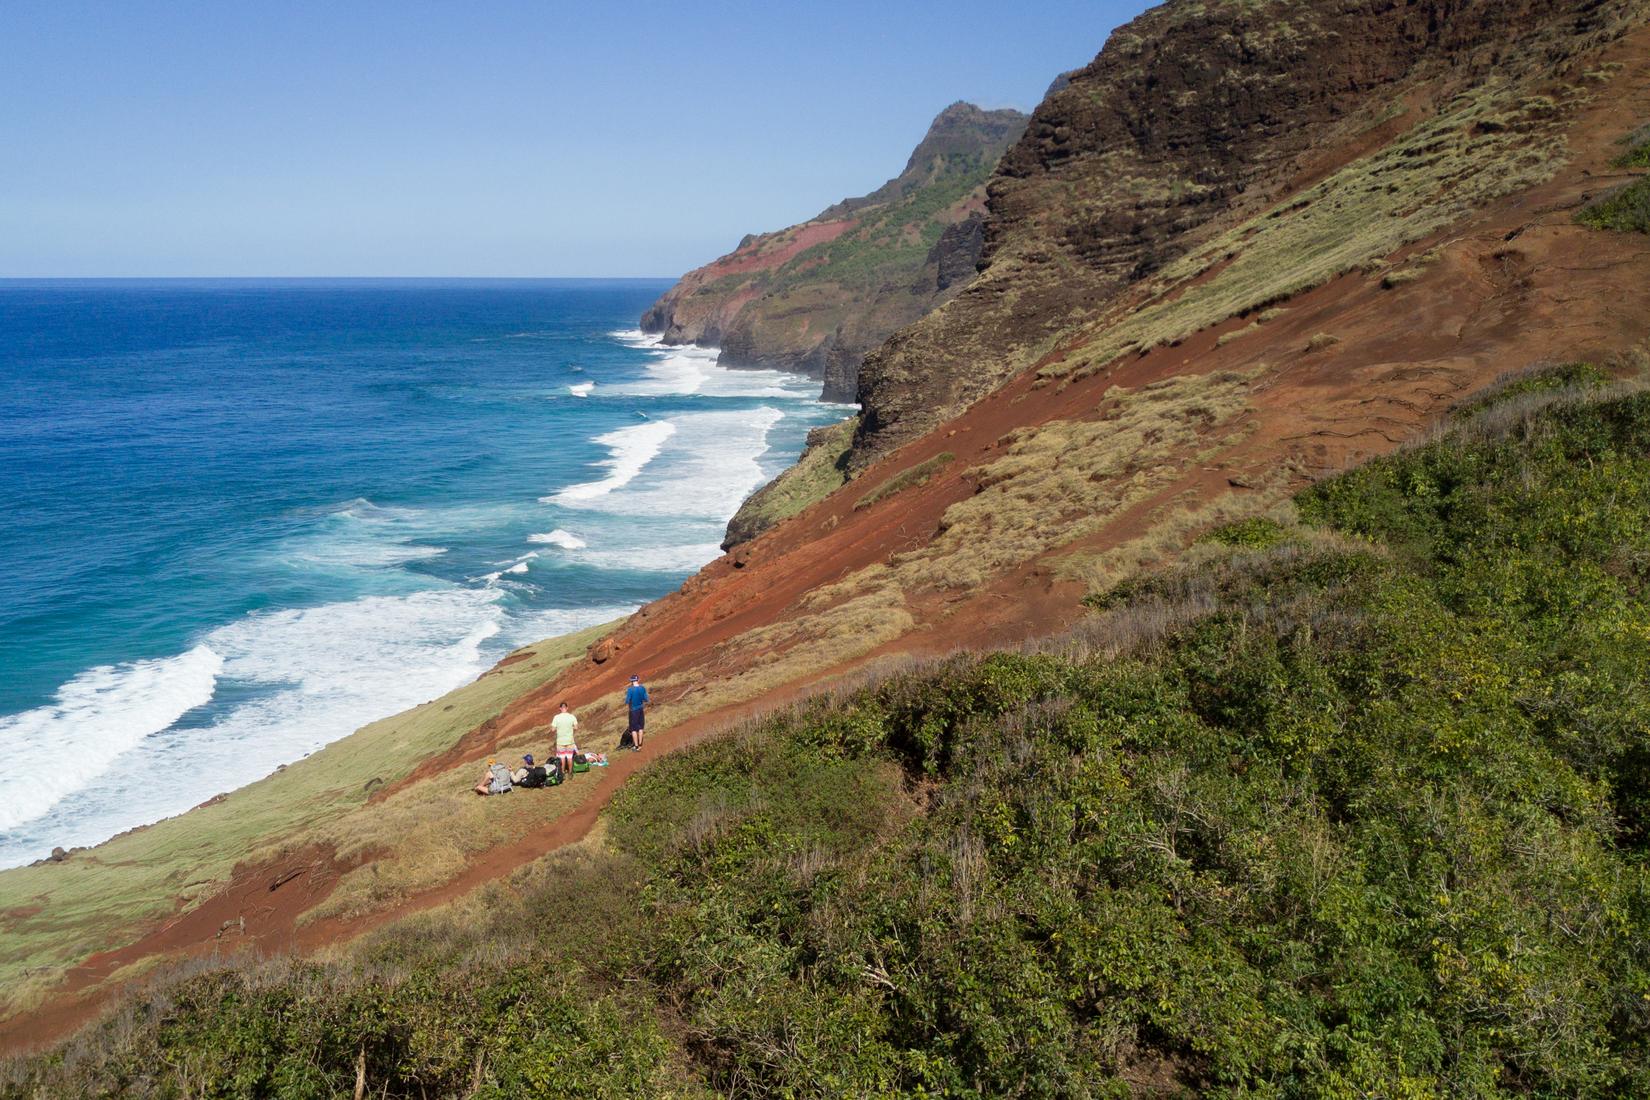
[815, 296]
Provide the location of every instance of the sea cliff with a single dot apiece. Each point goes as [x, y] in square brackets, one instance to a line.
[815, 297]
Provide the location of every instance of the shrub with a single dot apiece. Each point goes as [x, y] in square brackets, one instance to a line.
[1638, 150]
[1542, 379]
[1625, 210]
[1255, 533]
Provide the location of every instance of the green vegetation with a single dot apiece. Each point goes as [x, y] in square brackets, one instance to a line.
[1511, 391]
[814, 477]
[906, 479]
[1626, 210]
[1353, 808]
[892, 240]
[1254, 533]
[1638, 150]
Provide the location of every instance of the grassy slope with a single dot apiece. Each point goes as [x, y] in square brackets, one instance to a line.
[1355, 807]
[147, 872]
[1489, 142]
[814, 477]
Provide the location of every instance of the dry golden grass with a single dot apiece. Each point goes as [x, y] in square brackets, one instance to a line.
[872, 614]
[906, 479]
[1486, 143]
[1063, 481]
[1174, 528]
[1237, 334]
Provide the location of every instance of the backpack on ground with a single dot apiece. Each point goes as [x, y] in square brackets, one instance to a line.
[580, 763]
[537, 776]
[498, 779]
[553, 776]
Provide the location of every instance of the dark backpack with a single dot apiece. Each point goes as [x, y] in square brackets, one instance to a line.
[536, 777]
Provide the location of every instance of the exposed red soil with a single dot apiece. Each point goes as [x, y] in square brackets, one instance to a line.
[1519, 284]
[761, 257]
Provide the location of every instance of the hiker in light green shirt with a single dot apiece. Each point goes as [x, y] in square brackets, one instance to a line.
[564, 724]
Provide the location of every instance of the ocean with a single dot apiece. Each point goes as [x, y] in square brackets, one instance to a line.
[242, 518]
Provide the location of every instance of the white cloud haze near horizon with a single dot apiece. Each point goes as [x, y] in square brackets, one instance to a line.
[494, 139]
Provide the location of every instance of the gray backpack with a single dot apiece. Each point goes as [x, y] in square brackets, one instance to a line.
[500, 781]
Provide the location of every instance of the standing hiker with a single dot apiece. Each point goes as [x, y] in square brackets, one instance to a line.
[635, 697]
[564, 724]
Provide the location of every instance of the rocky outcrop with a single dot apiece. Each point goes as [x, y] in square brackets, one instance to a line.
[1192, 119]
[815, 297]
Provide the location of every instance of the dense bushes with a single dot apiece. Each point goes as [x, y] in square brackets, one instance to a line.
[1371, 826]
[1360, 810]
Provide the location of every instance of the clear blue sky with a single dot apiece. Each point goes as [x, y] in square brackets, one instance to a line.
[477, 138]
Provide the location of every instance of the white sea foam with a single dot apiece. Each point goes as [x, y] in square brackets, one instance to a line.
[630, 450]
[102, 714]
[564, 539]
[359, 535]
[581, 389]
[683, 369]
[525, 629]
[712, 463]
[686, 558]
[311, 675]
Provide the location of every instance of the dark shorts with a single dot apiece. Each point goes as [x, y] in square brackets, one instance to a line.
[638, 719]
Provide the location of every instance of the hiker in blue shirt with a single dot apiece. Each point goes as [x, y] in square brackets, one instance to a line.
[635, 697]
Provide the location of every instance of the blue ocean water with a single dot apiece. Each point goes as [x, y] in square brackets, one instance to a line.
[239, 519]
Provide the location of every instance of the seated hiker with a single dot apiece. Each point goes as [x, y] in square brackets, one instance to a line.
[564, 725]
[522, 769]
[496, 780]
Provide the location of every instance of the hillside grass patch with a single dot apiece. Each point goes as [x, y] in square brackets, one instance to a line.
[814, 477]
[1431, 176]
[920, 474]
[1059, 482]
[1638, 150]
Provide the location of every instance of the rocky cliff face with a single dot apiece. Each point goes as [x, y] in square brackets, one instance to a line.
[1194, 118]
[816, 297]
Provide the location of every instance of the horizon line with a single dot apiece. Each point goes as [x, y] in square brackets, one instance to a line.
[338, 278]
